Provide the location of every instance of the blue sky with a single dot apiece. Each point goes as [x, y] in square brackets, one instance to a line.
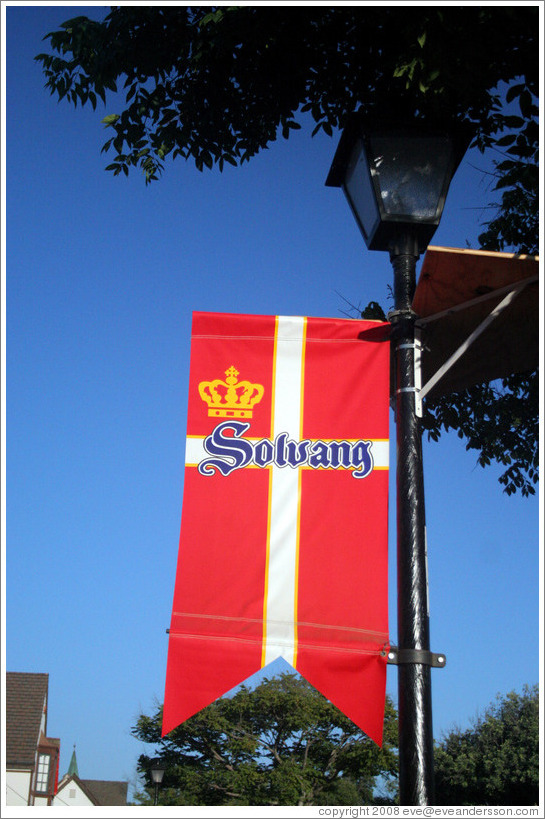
[102, 275]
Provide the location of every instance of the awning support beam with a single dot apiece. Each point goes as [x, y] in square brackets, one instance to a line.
[512, 293]
[492, 294]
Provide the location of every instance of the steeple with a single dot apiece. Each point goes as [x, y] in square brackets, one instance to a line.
[73, 767]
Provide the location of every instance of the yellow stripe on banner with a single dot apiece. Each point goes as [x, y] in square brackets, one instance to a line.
[296, 596]
[300, 476]
[273, 389]
[268, 553]
[266, 584]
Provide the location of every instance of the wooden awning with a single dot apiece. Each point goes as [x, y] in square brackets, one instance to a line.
[478, 316]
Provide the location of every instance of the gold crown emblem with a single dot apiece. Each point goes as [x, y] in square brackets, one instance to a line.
[230, 398]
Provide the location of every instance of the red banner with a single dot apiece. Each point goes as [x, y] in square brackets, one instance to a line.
[283, 545]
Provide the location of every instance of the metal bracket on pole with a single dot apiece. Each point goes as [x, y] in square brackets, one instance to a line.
[415, 345]
[401, 656]
[418, 371]
[401, 317]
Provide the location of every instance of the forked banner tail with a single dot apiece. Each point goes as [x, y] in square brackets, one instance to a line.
[283, 545]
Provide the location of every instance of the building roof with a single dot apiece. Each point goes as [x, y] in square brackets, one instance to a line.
[26, 697]
[73, 779]
[107, 792]
[98, 791]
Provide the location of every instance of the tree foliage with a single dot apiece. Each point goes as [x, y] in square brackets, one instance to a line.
[499, 420]
[216, 85]
[282, 743]
[497, 761]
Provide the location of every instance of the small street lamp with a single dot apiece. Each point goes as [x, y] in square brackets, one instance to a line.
[396, 181]
[157, 772]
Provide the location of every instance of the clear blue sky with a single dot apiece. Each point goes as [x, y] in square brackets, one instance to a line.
[102, 277]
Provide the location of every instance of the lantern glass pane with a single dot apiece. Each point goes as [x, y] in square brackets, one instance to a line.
[410, 173]
[359, 190]
[157, 775]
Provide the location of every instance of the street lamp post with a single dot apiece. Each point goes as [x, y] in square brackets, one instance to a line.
[396, 181]
[157, 772]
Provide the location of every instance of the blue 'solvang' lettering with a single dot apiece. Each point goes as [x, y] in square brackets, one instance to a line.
[296, 452]
[264, 452]
[319, 455]
[235, 452]
[361, 459]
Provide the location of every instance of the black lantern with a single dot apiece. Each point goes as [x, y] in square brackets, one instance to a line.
[396, 181]
[157, 771]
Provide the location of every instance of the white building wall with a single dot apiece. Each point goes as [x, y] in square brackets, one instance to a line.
[17, 787]
[71, 795]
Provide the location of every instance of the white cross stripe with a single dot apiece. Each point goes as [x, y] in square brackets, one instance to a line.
[280, 605]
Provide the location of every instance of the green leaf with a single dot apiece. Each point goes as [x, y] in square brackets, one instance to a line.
[131, 92]
[506, 140]
[513, 122]
[111, 119]
[527, 107]
[211, 17]
[513, 91]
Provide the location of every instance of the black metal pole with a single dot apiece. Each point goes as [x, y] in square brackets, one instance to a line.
[416, 777]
